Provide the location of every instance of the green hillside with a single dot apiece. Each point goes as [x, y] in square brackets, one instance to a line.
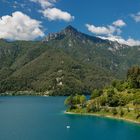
[64, 63]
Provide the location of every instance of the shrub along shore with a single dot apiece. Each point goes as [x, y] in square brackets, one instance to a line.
[106, 115]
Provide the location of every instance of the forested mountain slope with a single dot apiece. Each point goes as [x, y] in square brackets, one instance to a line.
[64, 63]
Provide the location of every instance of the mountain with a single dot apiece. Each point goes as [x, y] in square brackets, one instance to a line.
[64, 63]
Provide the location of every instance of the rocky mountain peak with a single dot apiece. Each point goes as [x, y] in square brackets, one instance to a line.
[70, 29]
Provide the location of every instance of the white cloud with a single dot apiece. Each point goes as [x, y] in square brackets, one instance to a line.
[57, 14]
[114, 28]
[49, 11]
[101, 30]
[19, 26]
[45, 3]
[119, 39]
[136, 17]
[112, 33]
[119, 23]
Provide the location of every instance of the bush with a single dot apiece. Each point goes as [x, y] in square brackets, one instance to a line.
[106, 109]
[91, 107]
[121, 113]
[114, 111]
[96, 93]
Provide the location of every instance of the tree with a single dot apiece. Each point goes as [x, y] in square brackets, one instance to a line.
[121, 113]
[137, 111]
[112, 98]
[114, 111]
[91, 107]
[76, 99]
[128, 109]
[133, 77]
[102, 100]
[96, 93]
[110, 92]
[82, 100]
[136, 101]
[69, 102]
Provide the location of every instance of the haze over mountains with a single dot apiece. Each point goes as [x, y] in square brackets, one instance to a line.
[63, 63]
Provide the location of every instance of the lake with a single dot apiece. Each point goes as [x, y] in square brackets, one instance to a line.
[42, 118]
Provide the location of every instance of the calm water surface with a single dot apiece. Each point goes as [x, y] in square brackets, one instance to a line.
[42, 118]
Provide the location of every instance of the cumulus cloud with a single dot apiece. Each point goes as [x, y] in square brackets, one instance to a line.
[19, 26]
[112, 33]
[136, 17]
[119, 39]
[51, 13]
[119, 23]
[101, 30]
[45, 3]
[57, 14]
[107, 30]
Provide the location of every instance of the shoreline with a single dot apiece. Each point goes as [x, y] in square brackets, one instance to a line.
[104, 116]
[24, 93]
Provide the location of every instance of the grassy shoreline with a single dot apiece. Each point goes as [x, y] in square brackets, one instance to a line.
[105, 116]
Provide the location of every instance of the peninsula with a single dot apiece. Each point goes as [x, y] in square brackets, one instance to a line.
[121, 100]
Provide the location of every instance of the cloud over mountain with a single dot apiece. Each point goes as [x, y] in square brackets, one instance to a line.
[112, 33]
[107, 30]
[101, 30]
[19, 26]
[119, 39]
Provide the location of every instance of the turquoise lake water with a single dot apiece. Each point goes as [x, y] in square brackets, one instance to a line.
[42, 118]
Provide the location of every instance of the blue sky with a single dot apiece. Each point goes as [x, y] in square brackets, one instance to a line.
[112, 19]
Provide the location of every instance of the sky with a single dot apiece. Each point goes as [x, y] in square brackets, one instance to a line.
[116, 20]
